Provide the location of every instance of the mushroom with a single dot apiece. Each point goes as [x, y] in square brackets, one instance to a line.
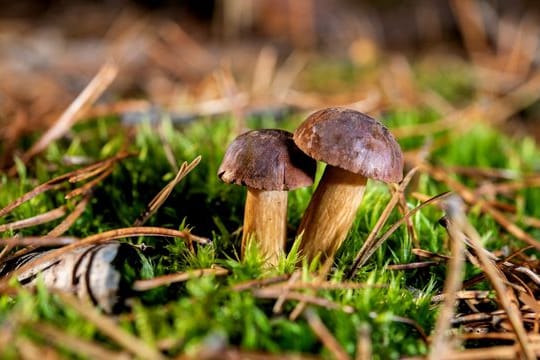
[269, 164]
[355, 147]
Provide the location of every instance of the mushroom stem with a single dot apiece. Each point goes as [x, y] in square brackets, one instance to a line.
[331, 212]
[265, 218]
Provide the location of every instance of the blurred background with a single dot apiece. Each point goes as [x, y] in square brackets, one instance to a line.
[203, 57]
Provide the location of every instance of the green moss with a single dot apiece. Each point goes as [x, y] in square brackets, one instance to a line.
[207, 310]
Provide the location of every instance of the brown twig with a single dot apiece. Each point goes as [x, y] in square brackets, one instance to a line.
[363, 344]
[412, 266]
[88, 96]
[326, 337]
[160, 198]
[148, 284]
[134, 345]
[77, 345]
[111, 235]
[38, 241]
[46, 217]
[305, 298]
[71, 218]
[505, 297]
[258, 283]
[363, 257]
[472, 199]
[370, 242]
[278, 305]
[454, 275]
[57, 182]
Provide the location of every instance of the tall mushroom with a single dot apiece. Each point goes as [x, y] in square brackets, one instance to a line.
[268, 163]
[355, 147]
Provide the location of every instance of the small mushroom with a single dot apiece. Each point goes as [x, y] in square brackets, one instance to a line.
[269, 164]
[355, 147]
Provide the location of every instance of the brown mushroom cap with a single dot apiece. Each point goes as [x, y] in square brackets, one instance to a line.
[353, 141]
[266, 160]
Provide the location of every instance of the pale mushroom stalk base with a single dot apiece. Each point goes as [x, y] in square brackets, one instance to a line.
[331, 212]
[265, 218]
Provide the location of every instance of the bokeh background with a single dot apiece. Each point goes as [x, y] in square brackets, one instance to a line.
[207, 57]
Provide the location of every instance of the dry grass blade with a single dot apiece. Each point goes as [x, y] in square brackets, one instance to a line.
[278, 305]
[470, 22]
[454, 276]
[134, 345]
[86, 98]
[35, 220]
[286, 74]
[412, 323]
[58, 182]
[229, 90]
[363, 345]
[49, 185]
[321, 276]
[160, 198]
[111, 235]
[148, 284]
[95, 168]
[497, 280]
[411, 266]
[323, 285]
[465, 295]
[472, 199]
[496, 352]
[37, 241]
[251, 284]
[91, 171]
[65, 340]
[370, 241]
[86, 188]
[237, 354]
[264, 70]
[430, 255]
[5, 251]
[363, 257]
[71, 218]
[326, 337]
[303, 298]
[509, 186]
[29, 350]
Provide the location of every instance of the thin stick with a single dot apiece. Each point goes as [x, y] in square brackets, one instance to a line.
[111, 235]
[323, 272]
[35, 220]
[412, 266]
[160, 198]
[57, 182]
[148, 284]
[307, 299]
[370, 241]
[77, 345]
[71, 218]
[454, 275]
[326, 337]
[88, 96]
[250, 284]
[49, 185]
[363, 344]
[495, 277]
[129, 342]
[86, 188]
[472, 199]
[38, 241]
[278, 306]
